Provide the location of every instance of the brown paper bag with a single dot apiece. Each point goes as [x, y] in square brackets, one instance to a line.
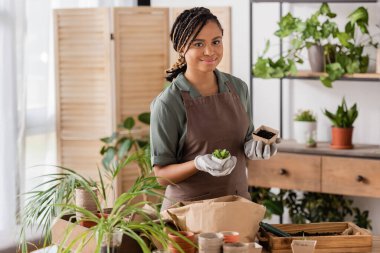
[228, 213]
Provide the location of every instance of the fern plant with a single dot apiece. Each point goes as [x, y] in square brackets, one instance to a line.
[343, 117]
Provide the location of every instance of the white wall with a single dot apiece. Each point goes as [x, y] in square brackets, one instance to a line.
[298, 94]
[239, 29]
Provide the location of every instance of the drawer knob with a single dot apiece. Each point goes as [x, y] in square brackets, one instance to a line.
[361, 179]
[283, 172]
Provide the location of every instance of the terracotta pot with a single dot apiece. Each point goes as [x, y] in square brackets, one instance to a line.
[341, 138]
[184, 245]
[87, 224]
[230, 236]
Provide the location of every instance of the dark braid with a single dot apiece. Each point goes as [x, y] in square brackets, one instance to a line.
[185, 29]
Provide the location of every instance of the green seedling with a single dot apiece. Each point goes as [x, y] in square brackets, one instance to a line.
[221, 153]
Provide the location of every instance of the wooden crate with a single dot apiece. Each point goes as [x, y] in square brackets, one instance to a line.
[359, 241]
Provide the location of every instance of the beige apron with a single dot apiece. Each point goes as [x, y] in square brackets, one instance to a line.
[217, 121]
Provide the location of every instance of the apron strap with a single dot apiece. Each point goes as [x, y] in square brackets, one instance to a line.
[187, 100]
[230, 87]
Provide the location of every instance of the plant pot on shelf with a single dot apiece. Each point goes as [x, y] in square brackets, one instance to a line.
[303, 130]
[341, 138]
[315, 53]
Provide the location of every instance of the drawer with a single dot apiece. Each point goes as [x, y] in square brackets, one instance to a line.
[287, 171]
[351, 176]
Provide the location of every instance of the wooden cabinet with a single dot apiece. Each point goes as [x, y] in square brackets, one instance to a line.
[351, 176]
[287, 171]
[346, 172]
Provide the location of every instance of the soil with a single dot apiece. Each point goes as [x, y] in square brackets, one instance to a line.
[265, 134]
[109, 250]
[302, 233]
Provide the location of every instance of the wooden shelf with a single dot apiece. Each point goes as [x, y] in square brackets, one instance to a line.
[305, 74]
[309, 75]
[323, 148]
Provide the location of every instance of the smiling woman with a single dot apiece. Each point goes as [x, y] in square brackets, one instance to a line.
[197, 114]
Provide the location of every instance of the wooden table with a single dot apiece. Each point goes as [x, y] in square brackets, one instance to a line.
[375, 245]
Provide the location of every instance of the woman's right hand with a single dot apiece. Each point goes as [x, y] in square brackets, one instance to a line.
[206, 164]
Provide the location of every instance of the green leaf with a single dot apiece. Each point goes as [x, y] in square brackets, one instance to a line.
[144, 118]
[344, 38]
[267, 45]
[360, 14]
[124, 148]
[275, 207]
[129, 123]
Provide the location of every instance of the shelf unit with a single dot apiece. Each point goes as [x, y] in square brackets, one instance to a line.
[305, 75]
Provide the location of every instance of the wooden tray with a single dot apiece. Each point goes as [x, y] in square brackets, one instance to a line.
[359, 241]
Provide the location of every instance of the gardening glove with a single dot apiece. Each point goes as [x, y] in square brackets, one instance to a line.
[256, 150]
[206, 164]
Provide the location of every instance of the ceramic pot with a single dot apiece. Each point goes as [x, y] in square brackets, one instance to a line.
[341, 138]
[303, 130]
[230, 236]
[110, 243]
[84, 199]
[316, 56]
[184, 245]
[220, 161]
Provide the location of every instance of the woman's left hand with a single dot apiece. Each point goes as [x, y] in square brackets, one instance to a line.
[256, 150]
[206, 164]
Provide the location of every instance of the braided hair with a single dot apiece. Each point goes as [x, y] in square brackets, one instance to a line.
[185, 29]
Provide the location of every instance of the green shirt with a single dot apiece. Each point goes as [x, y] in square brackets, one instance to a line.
[168, 117]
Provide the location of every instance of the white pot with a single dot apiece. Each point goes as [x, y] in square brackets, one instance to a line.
[220, 161]
[303, 130]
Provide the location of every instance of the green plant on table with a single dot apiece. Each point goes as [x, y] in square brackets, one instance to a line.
[221, 153]
[343, 52]
[55, 198]
[305, 115]
[128, 141]
[343, 117]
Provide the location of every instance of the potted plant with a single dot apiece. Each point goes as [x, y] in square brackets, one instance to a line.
[220, 156]
[342, 127]
[330, 50]
[305, 126]
[55, 198]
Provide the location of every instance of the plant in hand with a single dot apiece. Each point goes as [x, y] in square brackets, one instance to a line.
[221, 153]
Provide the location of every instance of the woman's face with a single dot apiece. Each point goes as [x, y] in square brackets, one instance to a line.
[206, 50]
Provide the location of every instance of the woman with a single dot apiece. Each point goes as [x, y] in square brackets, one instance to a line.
[202, 110]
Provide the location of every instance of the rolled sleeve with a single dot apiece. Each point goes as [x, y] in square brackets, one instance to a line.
[163, 134]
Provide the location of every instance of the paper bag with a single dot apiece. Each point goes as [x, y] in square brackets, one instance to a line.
[228, 213]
